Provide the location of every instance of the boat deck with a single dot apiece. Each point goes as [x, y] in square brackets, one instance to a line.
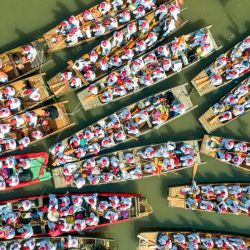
[209, 121]
[174, 199]
[204, 149]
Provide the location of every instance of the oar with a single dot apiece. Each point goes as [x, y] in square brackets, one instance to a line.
[195, 169]
[147, 240]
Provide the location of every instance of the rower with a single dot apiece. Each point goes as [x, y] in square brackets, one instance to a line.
[64, 28]
[99, 132]
[25, 163]
[79, 225]
[136, 65]
[206, 205]
[93, 56]
[90, 75]
[73, 36]
[228, 143]
[158, 73]
[4, 112]
[117, 39]
[129, 158]
[146, 80]
[94, 148]
[218, 108]
[238, 110]
[107, 142]
[24, 142]
[231, 100]
[174, 11]
[110, 23]
[13, 103]
[179, 239]
[8, 144]
[82, 65]
[166, 64]
[114, 161]
[148, 4]
[124, 16]
[221, 207]
[33, 94]
[163, 241]
[245, 44]
[125, 114]
[169, 26]
[117, 4]
[150, 58]
[216, 79]
[26, 231]
[99, 29]
[131, 29]
[76, 82]
[112, 79]
[224, 156]
[207, 243]
[31, 118]
[8, 91]
[151, 38]
[177, 65]
[115, 61]
[225, 116]
[13, 180]
[106, 47]
[112, 216]
[15, 246]
[92, 220]
[30, 52]
[187, 160]
[66, 76]
[7, 232]
[87, 15]
[150, 168]
[162, 11]
[74, 22]
[241, 147]
[3, 76]
[235, 190]
[141, 116]
[104, 7]
[143, 26]
[163, 51]
[79, 181]
[232, 74]
[4, 130]
[242, 90]
[103, 64]
[139, 12]
[120, 136]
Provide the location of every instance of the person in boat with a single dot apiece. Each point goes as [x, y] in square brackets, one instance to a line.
[161, 12]
[74, 36]
[225, 116]
[124, 16]
[4, 130]
[106, 47]
[7, 144]
[139, 12]
[151, 39]
[99, 29]
[29, 53]
[5, 112]
[143, 26]
[174, 11]
[13, 103]
[117, 39]
[104, 7]
[168, 26]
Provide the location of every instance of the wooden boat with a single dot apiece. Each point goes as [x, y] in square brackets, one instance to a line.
[129, 123]
[213, 118]
[214, 145]
[78, 242]
[56, 40]
[136, 83]
[62, 87]
[35, 83]
[131, 164]
[196, 197]
[37, 172]
[17, 63]
[90, 213]
[154, 240]
[51, 119]
[203, 82]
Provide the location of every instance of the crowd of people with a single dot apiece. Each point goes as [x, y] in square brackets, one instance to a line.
[12, 100]
[18, 60]
[106, 17]
[42, 244]
[139, 35]
[231, 151]
[231, 198]
[195, 241]
[129, 165]
[128, 123]
[20, 130]
[234, 104]
[14, 170]
[61, 214]
[153, 67]
[230, 65]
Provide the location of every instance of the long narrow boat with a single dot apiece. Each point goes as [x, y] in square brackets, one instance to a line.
[22, 61]
[131, 164]
[23, 130]
[23, 170]
[192, 240]
[97, 21]
[226, 68]
[55, 215]
[26, 94]
[60, 243]
[227, 198]
[114, 52]
[230, 107]
[129, 123]
[149, 69]
[233, 152]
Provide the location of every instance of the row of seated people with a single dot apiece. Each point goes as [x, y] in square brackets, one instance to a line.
[151, 68]
[233, 105]
[107, 169]
[120, 127]
[195, 241]
[230, 65]
[219, 198]
[62, 215]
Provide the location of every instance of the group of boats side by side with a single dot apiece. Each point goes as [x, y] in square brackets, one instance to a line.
[121, 47]
[126, 124]
[136, 56]
[166, 60]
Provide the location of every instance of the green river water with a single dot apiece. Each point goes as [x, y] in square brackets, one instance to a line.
[26, 20]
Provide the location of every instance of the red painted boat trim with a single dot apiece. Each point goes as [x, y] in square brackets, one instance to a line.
[26, 156]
